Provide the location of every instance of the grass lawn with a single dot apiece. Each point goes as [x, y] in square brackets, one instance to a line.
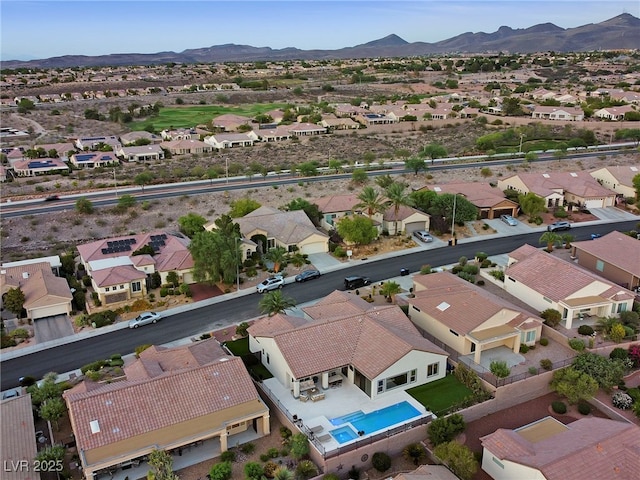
[239, 347]
[441, 394]
[192, 115]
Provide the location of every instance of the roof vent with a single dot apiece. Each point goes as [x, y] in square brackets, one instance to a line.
[634, 169]
[545, 175]
[226, 397]
[437, 189]
[25, 274]
[224, 359]
[115, 430]
[108, 403]
[443, 306]
[215, 374]
[573, 174]
[95, 426]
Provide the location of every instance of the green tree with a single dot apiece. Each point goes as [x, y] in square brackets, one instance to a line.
[414, 452]
[397, 197]
[636, 185]
[370, 201]
[308, 169]
[531, 204]
[191, 223]
[573, 384]
[443, 206]
[551, 239]
[216, 254]
[25, 105]
[221, 471]
[277, 256]
[390, 289]
[445, 429]
[52, 410]
[14, 301]
[551, 316]
[299, 445]
[459, 458]
[433, 151]
[423, 199]
[357, 229]
[416, 164]
[161, 464]
[84, 205]
[359, 176]
[605, 371]
[383, 181]
[335, 165]
[47, 389]
[275, 302]
[54, 453]
[253, 471]
[125, 201]
[311, 209]
[243, 206]
[142, 179]
[173, 278]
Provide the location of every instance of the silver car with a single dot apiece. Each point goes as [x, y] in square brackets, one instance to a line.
[509, 220]
[423, 236]
[271, 283]
[144, 319]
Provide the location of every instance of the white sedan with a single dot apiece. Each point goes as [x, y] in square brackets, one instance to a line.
[144, 319]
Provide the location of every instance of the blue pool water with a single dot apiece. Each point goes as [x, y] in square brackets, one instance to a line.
[374, 421]
[343, 434]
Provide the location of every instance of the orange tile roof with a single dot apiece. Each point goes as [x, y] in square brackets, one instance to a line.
[117, 275]
[580, 183]
[336, 203]
[44, 289]
[615, 248]
[93, 250]
[18, 438]
[480, 194]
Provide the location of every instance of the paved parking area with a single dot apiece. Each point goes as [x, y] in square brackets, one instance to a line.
[613, 213]
[504, 229]
[52, 328]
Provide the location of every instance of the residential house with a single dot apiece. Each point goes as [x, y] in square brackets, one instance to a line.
[94, 159]
[183, 147]
[468, 319]
[572, 114]
[490, 201]
[613, 113]
[561, 188]
[547, 449]
[615, 256]
[342, 123]
[379, 350]
[469, 112]
[618, 178]
[91, 143]
[62, 149]
[118, 283]
[306, 129]
[427, 472]
[231, 140]
[179, 134]
[277, 134]
[38, 166]
[230, 122]
[348, 110]
[291, 230]
[17, 433]
[544, 281]
[172, 398]
[44, 293]
[334, 207]
[369, 119]
[405, 219]
[130, 138]
[143, 153]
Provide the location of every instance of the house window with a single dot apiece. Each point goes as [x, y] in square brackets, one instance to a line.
[380, 386]
[453, 333]
[413, 375]
[600, 265]
[395, 382]
[121, 287]
[271, 243]
[497, 462]
[106, 289]
[622, 307]
[136, 287]
[432, 369]
[268, 358]
[530, 336]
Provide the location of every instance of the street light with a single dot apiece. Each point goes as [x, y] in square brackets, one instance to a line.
[115, 182]
[237, 265]
[520, 148]
[453, 220]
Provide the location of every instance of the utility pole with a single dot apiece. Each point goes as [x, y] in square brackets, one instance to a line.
[115, 182]
[453, 221]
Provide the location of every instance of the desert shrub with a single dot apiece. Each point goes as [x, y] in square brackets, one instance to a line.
[253, 471]
[584, 408]
[546, 364]
[414, 452]
[471, 269]
[381, 461]
[499, 368]
[93, 366]
[486, 263]
[533, 370]
[340, 252]
[306, 469]
[269, 469]
[445, 429]
[228, 456]
[248, 448]
[467, 276]
[634, 393]
[551, 317]
[141, 348]
[544, 342]
[585, 330]
[425, 269]
[330, 476]
[524, 348]
[622, 400]
[273, 452]
[576, 344]
[285, 432]
[481, 256]
[470, 379]
[559, 407]
[459, 458]
[241, 329]
[462, 261]
[619, 353]
[353, 473]
[221, 471]
[497, 274]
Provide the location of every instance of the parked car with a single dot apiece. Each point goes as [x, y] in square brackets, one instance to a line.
[307, 275]
[52, 198]
[557, 226]
[144, 319]
[356, 281]
[404, 272]
[423, 236]
[10, 394]
[595, 235]
[509, 220]
[271, 283]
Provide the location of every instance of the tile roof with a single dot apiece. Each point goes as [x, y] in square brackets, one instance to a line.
[592, 447]
[533, 270]
[581, 184]
[371, 339]
[428, 472]
[464, 307]
[480, 194]
[185, 391]
[336, 203]
[18, 275]
[288, 227]
[116, 275]
[623, 174]
[18, 438]
[615, 248]
[177, 260]
[93, 250]
[42, 289]
[404, 212]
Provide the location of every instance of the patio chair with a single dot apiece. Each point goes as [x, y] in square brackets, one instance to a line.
[304, 397]
[317, 397]
[316, 429]
[324, 438]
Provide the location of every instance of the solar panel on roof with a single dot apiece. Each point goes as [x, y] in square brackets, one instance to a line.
[109, 244]
[163, 236]
[105, 251]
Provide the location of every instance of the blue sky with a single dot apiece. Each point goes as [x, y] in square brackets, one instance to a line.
[42, 29]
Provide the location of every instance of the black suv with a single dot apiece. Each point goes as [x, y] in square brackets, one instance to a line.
[356, 282]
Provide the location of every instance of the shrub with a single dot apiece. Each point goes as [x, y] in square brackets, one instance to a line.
[524, 348]
[445, 429]
[354, 473]
[269, 469]
[471, 269]
[425, 269]
[241, 329]
[481, 256]
[381, 461]
[414, 452]
[546, 364]
[253, 470]
[499, 368]
[330, 476]
[459, 458]
[480, 283]
[551, 317]
[306, 469]
[622, 400]
[533, 370]
[559, 407]
[576, 344]
[248, 448]
[221, 471]
[340, 252]
[619, 354]
[228, 456]
[544, 342]
[285, 432]
[273, 452]
[585, 330]
[497, 274]
[584, 408]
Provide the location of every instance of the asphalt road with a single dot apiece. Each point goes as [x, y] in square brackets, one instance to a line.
[71, 356]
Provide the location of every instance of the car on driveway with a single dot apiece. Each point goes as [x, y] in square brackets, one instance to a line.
[423, 236]
[271, 283]
[557, 226]
[509, 220]
[307, 275]
[144, 319]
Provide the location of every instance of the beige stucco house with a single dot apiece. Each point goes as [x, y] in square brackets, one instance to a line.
[171, 398]
[406, 220]
[544, 281]
[334, 207]
[618, 178]
[468, 319]
[490, 201]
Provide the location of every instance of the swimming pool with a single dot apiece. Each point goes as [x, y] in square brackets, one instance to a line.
[371, 422]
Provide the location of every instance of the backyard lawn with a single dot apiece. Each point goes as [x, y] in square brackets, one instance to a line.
[192, 115]
[240, 348]
[440, 395]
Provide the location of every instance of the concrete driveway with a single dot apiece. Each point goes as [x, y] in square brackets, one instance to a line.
[504, 229]
[613, 213]
[52, 328]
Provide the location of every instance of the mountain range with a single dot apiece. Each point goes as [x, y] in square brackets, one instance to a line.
[621, 32]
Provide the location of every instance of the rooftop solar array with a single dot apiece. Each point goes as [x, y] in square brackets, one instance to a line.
[117, 246]
[158, 241]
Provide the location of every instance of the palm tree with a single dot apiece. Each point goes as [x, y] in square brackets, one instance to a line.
[396, 198]
[414, 452]
[371, 201]
[390, 290]
[567, 238]
[297, 259]
[283, 473]
[275, 302]
[278, 256]
[551, 239]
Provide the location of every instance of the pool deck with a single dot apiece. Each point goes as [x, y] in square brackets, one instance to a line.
[337, 402]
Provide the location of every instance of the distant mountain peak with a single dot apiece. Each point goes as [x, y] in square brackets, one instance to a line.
[392, 40]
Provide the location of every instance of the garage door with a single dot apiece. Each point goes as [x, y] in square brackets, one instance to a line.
[594, 204]
[317, 247]
[413, 227]
[48, 311]
[188, 278]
